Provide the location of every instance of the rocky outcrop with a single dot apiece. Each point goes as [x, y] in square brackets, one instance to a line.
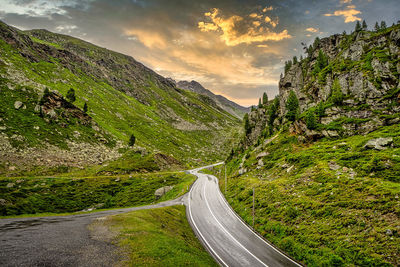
[364, 68]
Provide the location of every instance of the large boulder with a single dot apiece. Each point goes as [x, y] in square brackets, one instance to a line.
[379, 143]
[162, 191]
[18, 104]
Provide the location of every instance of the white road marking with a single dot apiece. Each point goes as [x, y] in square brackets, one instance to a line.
[237, 216]
[198, 230]
[226, 231]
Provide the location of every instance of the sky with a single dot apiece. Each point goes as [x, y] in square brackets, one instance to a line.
[236, 48]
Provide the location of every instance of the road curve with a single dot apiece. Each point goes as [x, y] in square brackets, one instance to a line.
[228, 239]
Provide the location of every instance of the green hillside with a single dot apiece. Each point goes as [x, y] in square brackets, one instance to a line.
[123, 98]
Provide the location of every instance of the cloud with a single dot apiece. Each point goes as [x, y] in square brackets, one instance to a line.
[311, 29]
[235, 29]
[342, 2]
[150, 39]
[270, 8]
[349, 14]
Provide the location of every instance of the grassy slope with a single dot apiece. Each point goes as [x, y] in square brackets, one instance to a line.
[117, 113]
[158, 237]
[320, 216]
[59, 195]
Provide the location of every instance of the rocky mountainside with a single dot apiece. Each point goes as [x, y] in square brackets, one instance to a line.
[324, 155]
[223, 102]
[349, 83]
[122, 97]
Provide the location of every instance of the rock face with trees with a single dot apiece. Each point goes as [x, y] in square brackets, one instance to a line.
[348, 82]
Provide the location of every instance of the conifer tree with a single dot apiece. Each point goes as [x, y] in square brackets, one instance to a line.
[259, 103]
[132, 140]
[383, 25]
[295, 60]
[364, 25]
[337, 95]
[377, 26]
[292, 106]
[358, 27]
[71, 95]
[265, 98]
[311, 120]
[246, 123]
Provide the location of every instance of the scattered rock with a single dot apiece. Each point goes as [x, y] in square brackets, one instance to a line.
[379, 143]
[18, 104]
[389, 232]
[10, 185]
[333, 166]
[290, 169]
[118, 179]
[3, 202]
[162, 191]
[52, 114]
[12, 168]
[242, 171]
[262, 154]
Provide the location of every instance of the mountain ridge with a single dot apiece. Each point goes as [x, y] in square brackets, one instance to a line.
[230, 106]
[123, 96]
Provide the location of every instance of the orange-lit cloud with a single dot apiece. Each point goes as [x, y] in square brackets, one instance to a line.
[148, 38]
[227, 27]
[349, 14]
[270, 8]
[311, 29]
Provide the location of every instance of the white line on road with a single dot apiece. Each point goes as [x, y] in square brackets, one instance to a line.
[198, 230]
[226, 231]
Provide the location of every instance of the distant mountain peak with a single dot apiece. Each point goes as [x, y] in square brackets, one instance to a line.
[226, 104]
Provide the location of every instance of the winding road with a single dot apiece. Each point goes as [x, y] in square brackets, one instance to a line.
[67, 241]
[225, 235]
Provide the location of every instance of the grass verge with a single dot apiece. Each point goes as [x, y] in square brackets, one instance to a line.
[158, 237]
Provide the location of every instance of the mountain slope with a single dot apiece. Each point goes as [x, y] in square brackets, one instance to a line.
[223, 102]
[323, 156]
[123, 96]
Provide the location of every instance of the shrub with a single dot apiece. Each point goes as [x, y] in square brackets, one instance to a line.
[132, 140]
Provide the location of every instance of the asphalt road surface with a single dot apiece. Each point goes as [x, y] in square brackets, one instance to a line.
[59, 240]
[67, 241]
[228, 239]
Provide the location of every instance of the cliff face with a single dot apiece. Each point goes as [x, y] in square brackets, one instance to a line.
[365, 67]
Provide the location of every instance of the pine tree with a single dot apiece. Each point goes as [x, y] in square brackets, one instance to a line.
[259, 103]
[316, 42]
[292, 106]
[311, 120]
[377, 26]
[246, 123]
[265, 98]
[85, 108]
[320, 110]
[358, 26]
[295, 60]
[272, 111]
[383, 25]
[337, 95]
[71, 95]
[364, 25]
[132, 140]
[46, 94]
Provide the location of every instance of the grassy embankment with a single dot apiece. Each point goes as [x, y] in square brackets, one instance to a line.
[49, 195]
[157, 237]
[328, 203]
